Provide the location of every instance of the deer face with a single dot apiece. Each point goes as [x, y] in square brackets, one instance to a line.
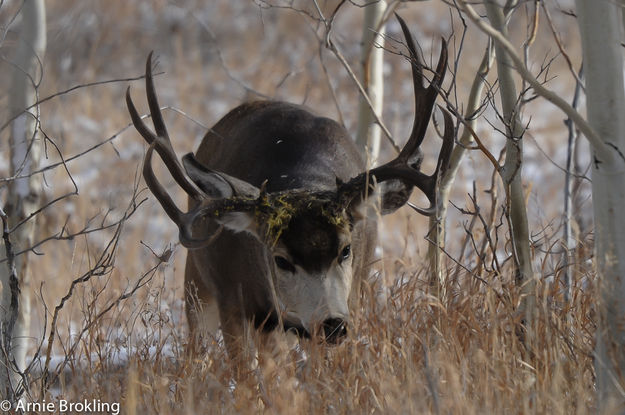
[312, 270]
[308, 251]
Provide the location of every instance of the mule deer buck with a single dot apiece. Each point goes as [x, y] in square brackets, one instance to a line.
[277, 225]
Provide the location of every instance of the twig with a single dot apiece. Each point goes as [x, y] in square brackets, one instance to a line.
[75, 87]
[102, 266]
[558, 41]
[62, 235]
[337, 53]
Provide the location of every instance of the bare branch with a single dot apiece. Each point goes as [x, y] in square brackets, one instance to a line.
[103, 266]
[74, 88]
[600, 147]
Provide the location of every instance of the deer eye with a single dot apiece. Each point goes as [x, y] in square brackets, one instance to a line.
[345, 253]
[284, 264]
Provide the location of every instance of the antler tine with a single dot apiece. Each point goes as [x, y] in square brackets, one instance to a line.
[424, 97]
[155, 109]
[155, 186]
[430, 182]
[448, 145]
[137, 121]
[165, 148]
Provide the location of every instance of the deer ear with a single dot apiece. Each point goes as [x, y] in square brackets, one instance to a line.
[385, 198]
[394, 194]
[211, 183]
[240, 222]
[217, 185]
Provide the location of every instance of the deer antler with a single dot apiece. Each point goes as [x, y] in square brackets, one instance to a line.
[400, 167]
[162, 144]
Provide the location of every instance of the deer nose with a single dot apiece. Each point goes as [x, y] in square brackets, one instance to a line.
[334, 330]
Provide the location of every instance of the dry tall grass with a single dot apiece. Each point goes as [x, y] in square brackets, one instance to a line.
[406, 352]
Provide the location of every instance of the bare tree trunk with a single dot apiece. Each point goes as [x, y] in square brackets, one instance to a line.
[569, 240]
[23, 195]
[369, 132]
[512, 168]
[599, 23]
[437, 222]
[372, 79]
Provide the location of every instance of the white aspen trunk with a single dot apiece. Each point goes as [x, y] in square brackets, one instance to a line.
[569, 239]
[599, 23]
[23, 195]
[369, 132]
[512, 168]
[438, 221]
[372, 79]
